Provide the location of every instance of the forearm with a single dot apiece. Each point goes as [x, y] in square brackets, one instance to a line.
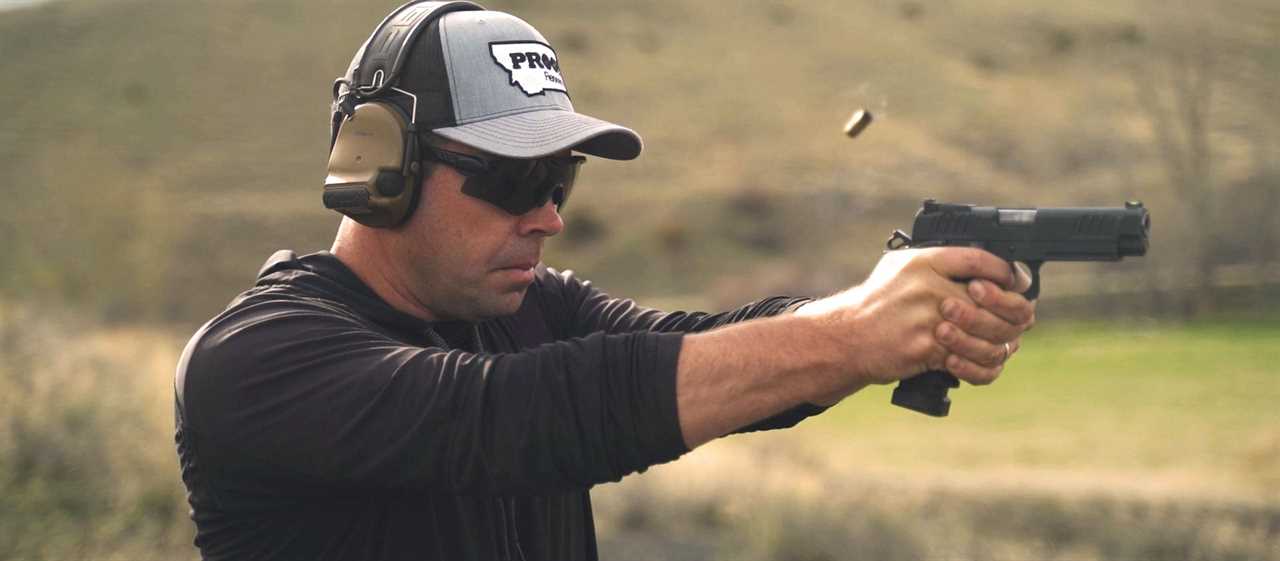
[736, 375]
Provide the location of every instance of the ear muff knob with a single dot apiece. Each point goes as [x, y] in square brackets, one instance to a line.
[390, 183]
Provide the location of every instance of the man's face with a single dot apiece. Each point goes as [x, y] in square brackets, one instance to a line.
[468, 259]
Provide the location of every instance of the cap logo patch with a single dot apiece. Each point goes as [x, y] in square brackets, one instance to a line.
[531, 65]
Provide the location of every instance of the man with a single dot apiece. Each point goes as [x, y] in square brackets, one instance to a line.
[427, 389]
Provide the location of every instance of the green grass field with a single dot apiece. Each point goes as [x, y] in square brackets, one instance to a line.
[1149, 403]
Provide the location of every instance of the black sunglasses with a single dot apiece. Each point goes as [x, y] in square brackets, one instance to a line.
[514, 185]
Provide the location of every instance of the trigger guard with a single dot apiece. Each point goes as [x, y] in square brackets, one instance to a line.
[1033, 292]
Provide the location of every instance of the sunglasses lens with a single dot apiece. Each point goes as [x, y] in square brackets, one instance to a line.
[518, 186]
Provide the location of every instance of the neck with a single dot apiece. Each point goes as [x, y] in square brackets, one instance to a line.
[364, 251]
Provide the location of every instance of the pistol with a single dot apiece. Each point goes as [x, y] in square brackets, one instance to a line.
[1030, 235]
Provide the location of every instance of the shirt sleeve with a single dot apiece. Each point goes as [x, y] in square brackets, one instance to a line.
[588, 309]
[299, 389]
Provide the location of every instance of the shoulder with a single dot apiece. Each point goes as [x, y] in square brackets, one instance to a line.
[262, 328]
[269, 311]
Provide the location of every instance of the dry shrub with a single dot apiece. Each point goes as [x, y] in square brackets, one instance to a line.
[826, 531]
[767, 498]
[87, 470]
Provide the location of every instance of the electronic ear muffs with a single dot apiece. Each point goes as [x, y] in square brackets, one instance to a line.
[374, 172]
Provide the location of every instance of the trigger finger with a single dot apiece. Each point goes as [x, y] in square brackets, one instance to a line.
[1021, 277]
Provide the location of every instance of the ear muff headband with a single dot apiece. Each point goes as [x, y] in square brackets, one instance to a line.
[374, 174]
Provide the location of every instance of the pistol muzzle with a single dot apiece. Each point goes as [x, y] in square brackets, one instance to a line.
[1134, 230]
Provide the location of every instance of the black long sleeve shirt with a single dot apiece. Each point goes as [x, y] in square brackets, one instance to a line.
[314, 421]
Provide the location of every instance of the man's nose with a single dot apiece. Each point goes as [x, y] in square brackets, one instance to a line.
[544, 220]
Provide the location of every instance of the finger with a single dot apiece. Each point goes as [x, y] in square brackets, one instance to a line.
[971, 263]
[1022, 277]
[979, 322]
[972, 372]
[1009, 305]
[973, 349]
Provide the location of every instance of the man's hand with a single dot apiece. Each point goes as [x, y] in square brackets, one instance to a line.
[890, 327]
[911, 315]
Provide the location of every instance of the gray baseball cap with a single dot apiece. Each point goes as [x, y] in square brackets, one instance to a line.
[491, 81]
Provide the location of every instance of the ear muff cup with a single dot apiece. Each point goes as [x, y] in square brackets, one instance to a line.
[373, 169]
[374, 172]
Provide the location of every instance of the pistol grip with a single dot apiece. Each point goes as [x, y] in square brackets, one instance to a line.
[926, 393]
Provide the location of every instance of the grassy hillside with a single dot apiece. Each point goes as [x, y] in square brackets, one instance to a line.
[151, 145]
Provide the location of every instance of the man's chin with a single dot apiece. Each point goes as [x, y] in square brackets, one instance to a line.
[505, 303]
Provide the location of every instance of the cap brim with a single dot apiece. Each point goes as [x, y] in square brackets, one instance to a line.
[534, 134]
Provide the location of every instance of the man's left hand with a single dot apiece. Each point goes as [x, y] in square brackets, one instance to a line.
[982, 337]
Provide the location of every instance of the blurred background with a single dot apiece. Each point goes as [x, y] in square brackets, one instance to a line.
[154, 153]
